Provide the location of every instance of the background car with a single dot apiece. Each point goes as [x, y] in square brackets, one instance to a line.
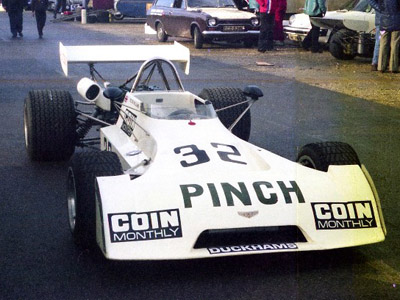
[203, 21]
[349, 31]
[131, 8]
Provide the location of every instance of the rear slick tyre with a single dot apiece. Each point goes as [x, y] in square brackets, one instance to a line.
[223, 97]
[49, 125]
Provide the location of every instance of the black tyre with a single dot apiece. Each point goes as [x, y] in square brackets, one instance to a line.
[320, 156]
[161, 34]
[49, 125]
[223, 97]
[198, 39]
[83, 169]
[343, 44]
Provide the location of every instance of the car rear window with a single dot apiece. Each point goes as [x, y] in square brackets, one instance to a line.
[166, 3]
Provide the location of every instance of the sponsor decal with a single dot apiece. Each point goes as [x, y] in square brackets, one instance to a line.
[252, 248]
[144, 226]
[128, 123]
[339, 215]
[242, 193]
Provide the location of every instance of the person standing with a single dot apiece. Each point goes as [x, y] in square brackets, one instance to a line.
[60, 4]
[39, 8]
[390, 35]
[313, 8]
[266, 37]
[374, 4]
[279, 16]
[15, 9]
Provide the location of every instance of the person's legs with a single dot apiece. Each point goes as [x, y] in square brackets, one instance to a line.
[384, 49]
[13, 26]
[40, 21]
[270, 18]
[315, 38]
[278, 28]
[394, 51]
[375, 57]
[262, 38]
[19, 21]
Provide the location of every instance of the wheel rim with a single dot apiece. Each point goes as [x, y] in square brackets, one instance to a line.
[307, 161]
[159, 32]
[26, 132]
[71, 199]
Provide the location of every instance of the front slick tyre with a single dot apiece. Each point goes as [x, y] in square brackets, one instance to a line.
[49, 125]
[320, 156]
[81, 192]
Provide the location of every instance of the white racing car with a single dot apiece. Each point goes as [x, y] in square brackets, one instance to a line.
[175, 177]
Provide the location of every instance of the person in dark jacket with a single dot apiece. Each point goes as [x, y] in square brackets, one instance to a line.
[313, 8]
[390, 35]
[375, 5]
[15, 9]
[39, 8]
[266, 37]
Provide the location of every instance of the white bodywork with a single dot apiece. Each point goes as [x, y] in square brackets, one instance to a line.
[354, 20]
[122, 53]
[190, 185]
[299, 24]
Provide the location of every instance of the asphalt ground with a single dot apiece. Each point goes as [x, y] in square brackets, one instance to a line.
[38, 259]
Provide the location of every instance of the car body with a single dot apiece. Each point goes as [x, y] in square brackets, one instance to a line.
[349, 31]
[176, 177]
[131, 8]
[202, 21]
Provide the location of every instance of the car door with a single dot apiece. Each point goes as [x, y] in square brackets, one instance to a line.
[182, 20]
[163, 11]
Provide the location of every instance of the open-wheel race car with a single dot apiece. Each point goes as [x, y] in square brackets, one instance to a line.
[174, 176]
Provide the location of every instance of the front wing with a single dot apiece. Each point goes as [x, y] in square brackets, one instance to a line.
[157, 217]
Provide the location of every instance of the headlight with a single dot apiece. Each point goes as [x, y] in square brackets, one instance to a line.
[292, 19]
[255, 21]
[212, 22]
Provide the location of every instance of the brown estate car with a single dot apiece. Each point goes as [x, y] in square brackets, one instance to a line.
[203, 21]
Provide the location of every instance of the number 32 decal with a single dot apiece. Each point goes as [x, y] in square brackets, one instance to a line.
[196, 156]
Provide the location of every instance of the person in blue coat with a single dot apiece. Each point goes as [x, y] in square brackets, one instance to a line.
[375, 5]
[313, 8]
[390, 35]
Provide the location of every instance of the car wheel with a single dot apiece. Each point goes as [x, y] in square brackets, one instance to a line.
[83, 169]
[343, 44]
[49, 125]
[118, 16]
[161, 34]
[197, 38]
[224, 97]
[320, 156]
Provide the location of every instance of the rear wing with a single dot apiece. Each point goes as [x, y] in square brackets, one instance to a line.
[176, 53]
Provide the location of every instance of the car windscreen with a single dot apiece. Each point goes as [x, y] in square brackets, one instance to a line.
[211, 3]
[165, 112]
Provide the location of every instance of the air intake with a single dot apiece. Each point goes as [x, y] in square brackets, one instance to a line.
[247, 236]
